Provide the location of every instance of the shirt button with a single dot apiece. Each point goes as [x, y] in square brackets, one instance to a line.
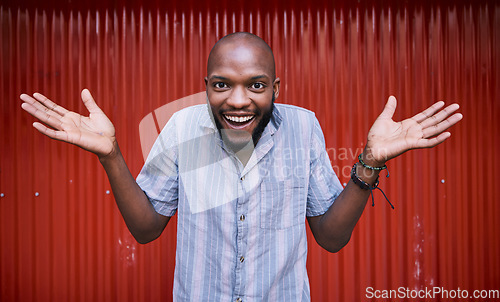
[242, 178]
[238, 300]
[242, 259]
[242, 217]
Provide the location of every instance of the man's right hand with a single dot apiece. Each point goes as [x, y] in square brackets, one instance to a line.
[94, 133]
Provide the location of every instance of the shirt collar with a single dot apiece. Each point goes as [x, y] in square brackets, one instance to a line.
[207, 120]
[275, 121]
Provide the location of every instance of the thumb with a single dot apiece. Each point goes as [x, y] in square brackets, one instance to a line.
[89, 102]
[390, 108]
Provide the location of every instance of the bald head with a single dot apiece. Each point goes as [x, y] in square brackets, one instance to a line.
[241, 45]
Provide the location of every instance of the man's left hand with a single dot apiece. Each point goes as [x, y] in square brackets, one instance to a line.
[388, 139]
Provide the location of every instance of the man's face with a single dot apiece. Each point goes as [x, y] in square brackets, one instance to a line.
[241, 89]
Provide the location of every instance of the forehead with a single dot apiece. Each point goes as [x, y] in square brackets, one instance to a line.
[240, 59]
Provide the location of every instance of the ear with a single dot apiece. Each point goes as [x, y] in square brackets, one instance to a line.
[276, 87]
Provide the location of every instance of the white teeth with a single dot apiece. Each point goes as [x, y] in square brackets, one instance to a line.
[238, 119]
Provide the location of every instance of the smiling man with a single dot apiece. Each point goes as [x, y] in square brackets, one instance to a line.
[243, 175]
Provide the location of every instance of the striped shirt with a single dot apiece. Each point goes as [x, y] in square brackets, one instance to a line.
[241, 233]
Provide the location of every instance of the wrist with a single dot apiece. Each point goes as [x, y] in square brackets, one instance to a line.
[111, 156]
[367, 185]
[368, 175]
[368, 167]
[369, 158]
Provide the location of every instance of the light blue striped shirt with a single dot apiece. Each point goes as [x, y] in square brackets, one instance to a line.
[241, 233]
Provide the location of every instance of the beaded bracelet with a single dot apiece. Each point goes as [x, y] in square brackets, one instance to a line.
[365, 186]
[370, 167]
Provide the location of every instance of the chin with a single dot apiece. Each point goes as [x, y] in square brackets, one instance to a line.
[236, 139]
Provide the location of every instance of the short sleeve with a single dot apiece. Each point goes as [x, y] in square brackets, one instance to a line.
[159, 177]
[324, 185]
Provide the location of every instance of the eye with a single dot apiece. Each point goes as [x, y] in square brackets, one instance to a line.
[220, 85]
[258, 86]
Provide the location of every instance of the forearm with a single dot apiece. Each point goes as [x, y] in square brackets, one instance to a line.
[334, 228]
[142, 220]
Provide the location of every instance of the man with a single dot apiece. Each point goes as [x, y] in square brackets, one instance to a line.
[243, 174]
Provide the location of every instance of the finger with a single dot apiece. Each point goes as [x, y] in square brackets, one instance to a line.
[26, 98]
[48, 117]
[390, 108]
[49, 104]
[89, 102]
[58, 135]
[432, 142]
[442, 126]
[36, 104]
[440, 116]
[420, 117]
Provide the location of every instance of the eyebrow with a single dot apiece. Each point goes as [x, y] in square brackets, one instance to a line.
[257, 77]
[216, 77]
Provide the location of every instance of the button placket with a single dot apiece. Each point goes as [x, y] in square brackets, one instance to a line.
[241, 238]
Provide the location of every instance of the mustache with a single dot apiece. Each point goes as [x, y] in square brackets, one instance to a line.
[256, 111]
[239, 111]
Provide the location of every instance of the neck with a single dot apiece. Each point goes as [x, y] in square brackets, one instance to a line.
[244, 154]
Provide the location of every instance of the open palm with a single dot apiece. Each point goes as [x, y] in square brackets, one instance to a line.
[388, 139]
[94, 133]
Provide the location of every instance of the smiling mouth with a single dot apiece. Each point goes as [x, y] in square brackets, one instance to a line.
[238, 122]
[238, 119]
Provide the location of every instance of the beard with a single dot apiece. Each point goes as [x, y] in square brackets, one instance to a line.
[243, 136]
[257, 132]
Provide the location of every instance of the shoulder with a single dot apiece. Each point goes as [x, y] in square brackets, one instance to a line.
[192, 117]
[191, 111]
[293, 109]
[187, 123]
[295, 123]
[295, 115]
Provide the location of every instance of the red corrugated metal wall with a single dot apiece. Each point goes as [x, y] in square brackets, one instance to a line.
[61, 236]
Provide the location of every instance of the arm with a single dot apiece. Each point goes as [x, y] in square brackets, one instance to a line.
[386, 140]
[96, 134]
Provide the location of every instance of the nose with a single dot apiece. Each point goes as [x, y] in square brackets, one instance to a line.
[238, 98]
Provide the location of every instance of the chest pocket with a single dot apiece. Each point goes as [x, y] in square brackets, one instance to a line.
[282, 203]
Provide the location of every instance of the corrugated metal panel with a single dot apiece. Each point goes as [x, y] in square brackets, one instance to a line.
[62, 238]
